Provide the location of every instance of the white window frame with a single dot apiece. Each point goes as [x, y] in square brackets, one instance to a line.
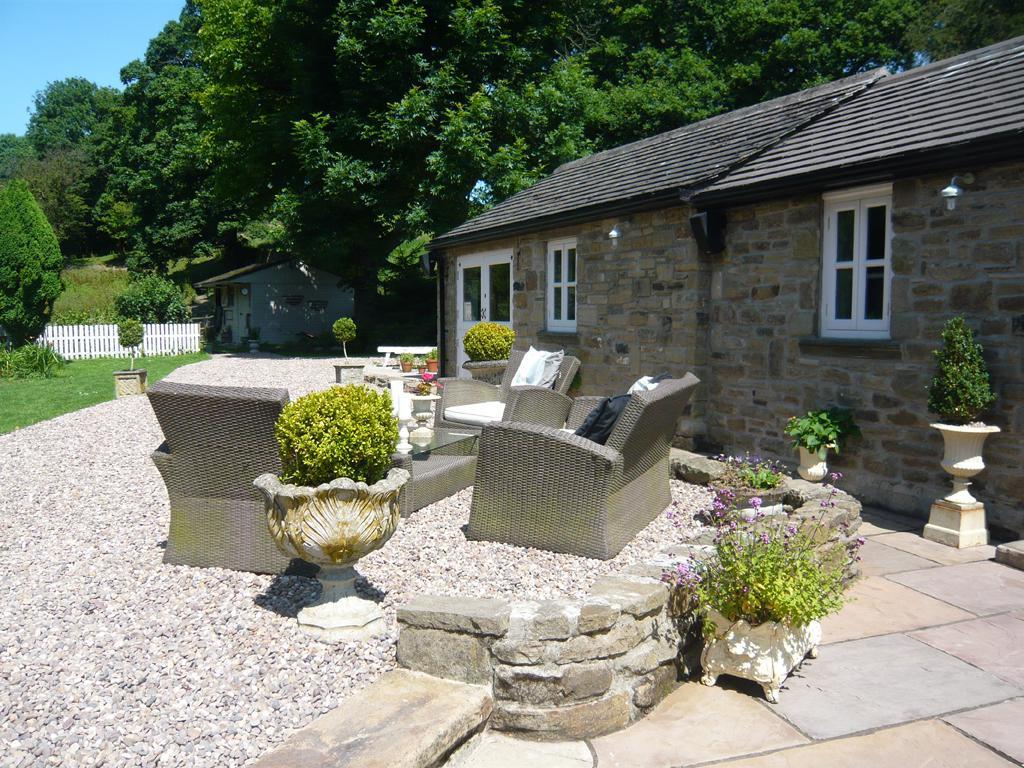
[562, 325]
[857, 200]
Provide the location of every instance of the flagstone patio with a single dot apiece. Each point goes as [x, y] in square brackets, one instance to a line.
[924, 667]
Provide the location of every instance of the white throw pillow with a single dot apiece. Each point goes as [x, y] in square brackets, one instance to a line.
[551, 366]
[643, 384]
[531, 370]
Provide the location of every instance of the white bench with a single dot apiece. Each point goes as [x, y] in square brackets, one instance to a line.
[388, 351]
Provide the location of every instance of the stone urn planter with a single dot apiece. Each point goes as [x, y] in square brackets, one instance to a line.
[958, 519]
[333, 525]
[813, 466]
[131, 382]
[765, 653]
[487, 371]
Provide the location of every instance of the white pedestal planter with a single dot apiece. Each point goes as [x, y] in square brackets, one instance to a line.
[812, 467]
[765, 653]
[958, 519]
[422, 410]
[333, 525]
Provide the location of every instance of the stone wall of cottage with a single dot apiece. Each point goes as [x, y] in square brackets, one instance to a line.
[746, 322]
[768, 364]
[641, 305]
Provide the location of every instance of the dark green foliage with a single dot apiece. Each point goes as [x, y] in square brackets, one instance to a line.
[338, 432]
[344, 330]
[823, 430]
[60, 182]
[69, 113]
[30, 264]
[152, 299]
[14, 150]
[947, 27]
[129, 335]
[30, 362]
[960, 391]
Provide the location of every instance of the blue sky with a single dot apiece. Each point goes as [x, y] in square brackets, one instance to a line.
[46, 40]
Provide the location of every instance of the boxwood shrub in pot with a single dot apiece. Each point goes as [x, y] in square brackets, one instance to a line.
[336, 499]
[958, 395]
[132, 381]
[488, 346]
[817, 433]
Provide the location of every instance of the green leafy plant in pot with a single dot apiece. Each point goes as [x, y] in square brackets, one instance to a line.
[406, 360]
[817, 433]
[488, 346]
[336, 499]
[133, 381]
[959, 394]
[432, 358]
[344, 330]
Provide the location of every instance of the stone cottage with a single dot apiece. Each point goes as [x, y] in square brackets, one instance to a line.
[795, 254]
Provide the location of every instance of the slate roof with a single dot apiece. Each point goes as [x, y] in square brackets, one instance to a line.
[949, 105]
[232, 275]
[658, 167]
[870, 122]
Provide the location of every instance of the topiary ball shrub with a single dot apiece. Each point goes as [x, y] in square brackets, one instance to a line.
[960, 391]
[344, 330]
[338, 432]
[488, 341]
[152, 299]
[129, 335]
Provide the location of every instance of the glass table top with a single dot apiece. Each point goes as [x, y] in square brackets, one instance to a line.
[441, 438]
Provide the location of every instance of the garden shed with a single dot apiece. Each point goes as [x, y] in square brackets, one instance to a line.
[283, 298]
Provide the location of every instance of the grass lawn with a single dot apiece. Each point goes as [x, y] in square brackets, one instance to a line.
[82, 383]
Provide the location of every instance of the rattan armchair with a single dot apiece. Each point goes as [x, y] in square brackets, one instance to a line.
[535, 405]
[217, 440]
[543, 487]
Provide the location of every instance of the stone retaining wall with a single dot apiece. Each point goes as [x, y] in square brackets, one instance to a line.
[573, 669]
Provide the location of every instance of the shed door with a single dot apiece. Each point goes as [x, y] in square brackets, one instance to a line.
[483, 293]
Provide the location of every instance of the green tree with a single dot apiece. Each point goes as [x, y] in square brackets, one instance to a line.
[947, 27]
[13, 151]
[960, 391]
[60, 183]
[70, 113]
[159, 203]
[30, 264]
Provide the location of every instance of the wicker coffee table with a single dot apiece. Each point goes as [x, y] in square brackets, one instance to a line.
[439, 468]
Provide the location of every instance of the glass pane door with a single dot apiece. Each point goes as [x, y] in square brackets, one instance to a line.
[484, 293]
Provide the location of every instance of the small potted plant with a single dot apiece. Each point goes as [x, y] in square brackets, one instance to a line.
[488, 346]
[817, 433]
[761, 596]
[254, 339]
[432, 360]
[421, 365]
[132, 381]
[344, 330]
[336, 499]
[406, 360]
[959, 394]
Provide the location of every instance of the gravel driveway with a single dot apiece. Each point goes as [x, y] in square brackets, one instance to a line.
[110, 657]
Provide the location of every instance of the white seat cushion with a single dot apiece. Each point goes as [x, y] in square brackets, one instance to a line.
[477, 414]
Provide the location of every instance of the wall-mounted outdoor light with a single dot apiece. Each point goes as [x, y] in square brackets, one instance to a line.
[952, 192]
[614, 232]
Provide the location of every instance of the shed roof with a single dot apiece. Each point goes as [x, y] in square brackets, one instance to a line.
[233, 275]
[656, 168]
[873, 122]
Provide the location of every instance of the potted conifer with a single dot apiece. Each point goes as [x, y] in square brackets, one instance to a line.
[132, 381]
[959, 394]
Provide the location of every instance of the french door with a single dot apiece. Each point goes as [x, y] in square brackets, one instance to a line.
[483, 293]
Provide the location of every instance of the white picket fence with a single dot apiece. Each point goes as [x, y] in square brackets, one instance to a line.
[77, 342]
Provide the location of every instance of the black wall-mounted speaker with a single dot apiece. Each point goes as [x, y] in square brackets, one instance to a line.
[708, 229]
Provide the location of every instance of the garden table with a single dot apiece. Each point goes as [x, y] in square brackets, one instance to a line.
[439, 468]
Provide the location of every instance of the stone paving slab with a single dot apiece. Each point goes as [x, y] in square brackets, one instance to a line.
[929, 743]
[877, 560]
[981, 588]
[931, 550]
[876, 521]
[404, 720]
[995, 644]
[495, 750]
[878, 606]
[1011, 554]
[1001, 726]
[882, 681]
[696, 724]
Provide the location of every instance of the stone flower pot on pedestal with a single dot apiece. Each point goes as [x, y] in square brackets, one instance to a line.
[333, 525]
[765, 653]
[131, 382]
[815, 434]
[958, 519]
[487, 371]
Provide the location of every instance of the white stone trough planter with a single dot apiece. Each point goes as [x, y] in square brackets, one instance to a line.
[765, 653]
[333, 525]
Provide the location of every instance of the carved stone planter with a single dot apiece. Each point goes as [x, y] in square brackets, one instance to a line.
[333, 525]
[958, 519]
[131, 382]
[812, 467]
[488, 371]
[765, 653]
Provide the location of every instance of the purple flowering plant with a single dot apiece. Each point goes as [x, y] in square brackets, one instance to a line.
[753, 472]
[767, 568]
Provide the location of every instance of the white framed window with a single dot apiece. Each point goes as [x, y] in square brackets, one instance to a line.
[856, 273]
[561, 298]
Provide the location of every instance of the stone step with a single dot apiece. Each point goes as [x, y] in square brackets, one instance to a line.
[1011, 554]
[404, 720]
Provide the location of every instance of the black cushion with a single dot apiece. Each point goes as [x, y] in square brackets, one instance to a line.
[601, 421]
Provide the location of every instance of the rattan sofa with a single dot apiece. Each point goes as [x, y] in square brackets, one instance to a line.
[536, 405]
[543, 487]
[217, 440]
